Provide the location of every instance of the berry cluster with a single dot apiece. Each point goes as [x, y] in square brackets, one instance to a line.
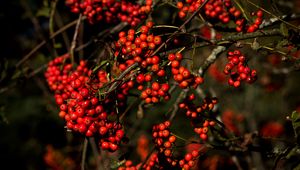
[163, 139]
[133, 47]
[165, 142]
[153, 160]
[111, 11]
[164, 159]
[181, 74]
[242, 25]
[238, 70]
[189, 160]
[76, 95]
[196, 114]
[152, 95]
[138, 47]
[221, 11]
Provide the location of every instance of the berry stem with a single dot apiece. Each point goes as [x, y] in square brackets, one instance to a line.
[181, 138]
[242, 10]
[180, 28]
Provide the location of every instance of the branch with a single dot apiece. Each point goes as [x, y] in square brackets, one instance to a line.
[96, 153]
[243, 36]
[179, 28]
[211, 59]
[73, 44]
[51, 24]
[287, 23]
[117, 81]
[84, 150]
[40, 45]
[271, 21]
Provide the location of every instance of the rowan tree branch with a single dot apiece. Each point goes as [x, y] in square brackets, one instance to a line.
[211, 59]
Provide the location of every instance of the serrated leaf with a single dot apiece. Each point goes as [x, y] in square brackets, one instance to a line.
[43, 12]
[284, 30]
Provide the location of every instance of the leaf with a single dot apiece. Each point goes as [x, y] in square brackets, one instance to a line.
[297, 167]
[43, 12]
[57, 45]
[284, 30]
[282, 43]
[255, 45]
[3, 118]
[117, 164]
[293, 152]
[295, 117]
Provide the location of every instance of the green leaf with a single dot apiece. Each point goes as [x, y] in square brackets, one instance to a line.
[295, 117]
[294, 152]
[43, 12]
[297, 167]
[57, 45]
[284, 30]
[117, 164]
[282, 43]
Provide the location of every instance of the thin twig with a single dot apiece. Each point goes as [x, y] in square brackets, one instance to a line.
[266, 11]
[41, 44]
[100, 165]
[60, 24]
[84, 150]
[73, 44]
[51, 24]
[179, 28]
[51, 19]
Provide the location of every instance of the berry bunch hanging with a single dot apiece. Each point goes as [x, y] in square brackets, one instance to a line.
[111, 11]
[181, 74]
[76, 93]
[189, 160]
[165, 144]
[137, 47]
[196, 114]
[221, 11]
[238, 69]
[152, 161]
